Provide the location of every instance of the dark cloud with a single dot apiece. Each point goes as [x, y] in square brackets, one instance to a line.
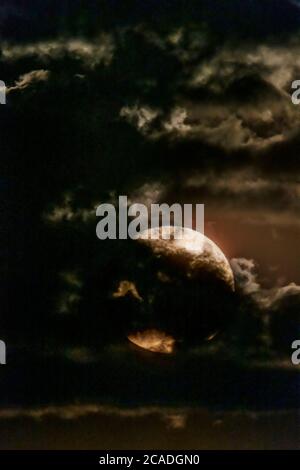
[103, 428]
[252, 20]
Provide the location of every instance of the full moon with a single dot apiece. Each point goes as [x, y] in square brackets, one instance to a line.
[181, 288]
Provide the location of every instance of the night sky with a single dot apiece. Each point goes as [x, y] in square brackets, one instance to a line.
[163, 101]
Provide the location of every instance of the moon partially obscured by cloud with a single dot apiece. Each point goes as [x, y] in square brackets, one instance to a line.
[181, 289]
[153, 340]
[196, 251]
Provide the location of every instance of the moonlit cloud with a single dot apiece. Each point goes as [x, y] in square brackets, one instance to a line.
[247, 279]
[141, 117]
[245, 275]
[125, 288]
[68, 212]
[245, 93]
[154, 341]
[173, 417]
[176, 421]
[268, 201]
[147, 194]
[92, 53]
[29, 79]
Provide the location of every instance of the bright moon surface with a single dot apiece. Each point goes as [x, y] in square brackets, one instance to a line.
[201, 250]
[153, 340]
